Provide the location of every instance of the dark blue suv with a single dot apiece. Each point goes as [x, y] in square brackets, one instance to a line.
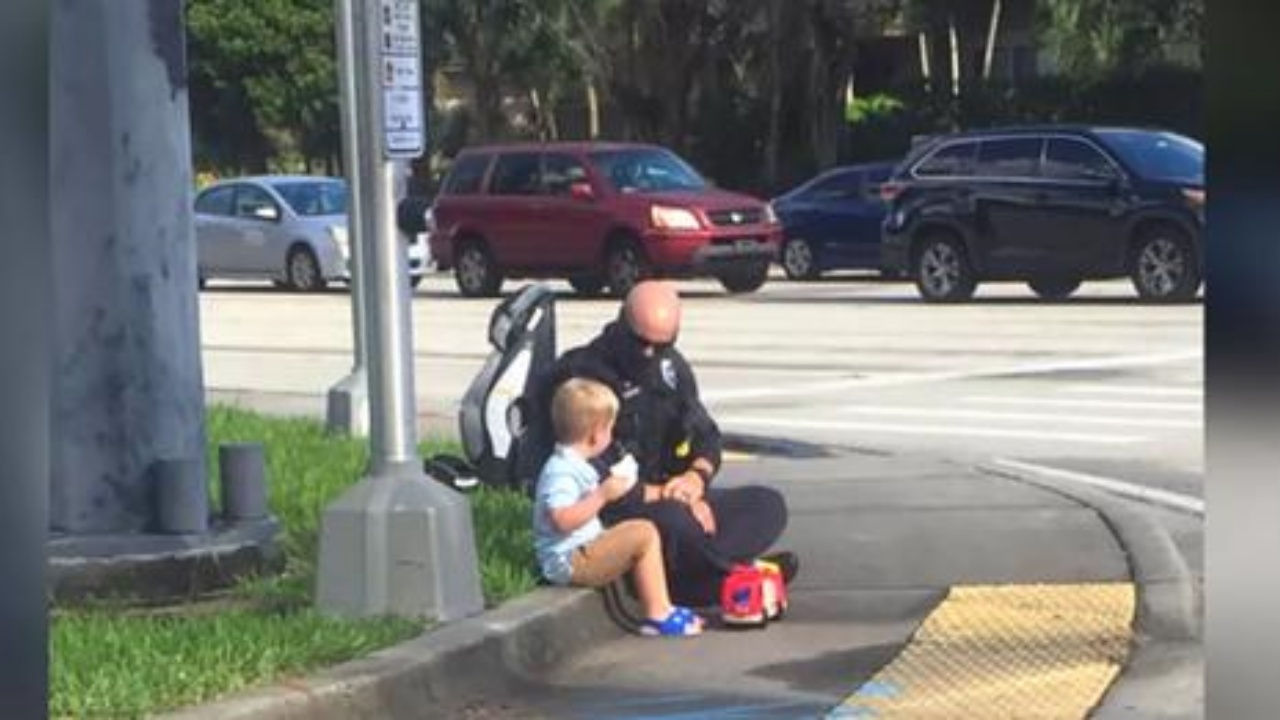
[1050, 206]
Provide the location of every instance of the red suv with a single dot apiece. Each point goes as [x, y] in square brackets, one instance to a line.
[598, 214]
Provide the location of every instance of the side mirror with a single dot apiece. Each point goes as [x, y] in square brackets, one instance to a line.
[582, 191]
[266, 212]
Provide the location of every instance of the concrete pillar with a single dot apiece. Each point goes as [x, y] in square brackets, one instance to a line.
[128, 390]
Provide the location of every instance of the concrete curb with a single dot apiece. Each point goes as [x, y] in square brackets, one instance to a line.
[1163, 677]
[1167, 605]
[428, 676]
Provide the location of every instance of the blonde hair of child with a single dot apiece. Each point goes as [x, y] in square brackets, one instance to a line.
[580, 406]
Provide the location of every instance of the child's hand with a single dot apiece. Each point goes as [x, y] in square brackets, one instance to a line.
[626, 467]
[616, 486]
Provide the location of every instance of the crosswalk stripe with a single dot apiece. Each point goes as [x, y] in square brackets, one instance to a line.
[1021, 416]
[1149, 390]
[1083, 403]
[1167, 498]
[953, 430]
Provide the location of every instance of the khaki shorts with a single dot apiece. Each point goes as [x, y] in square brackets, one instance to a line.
[612, 554]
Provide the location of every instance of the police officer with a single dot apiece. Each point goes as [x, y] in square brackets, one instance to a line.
[677, 445]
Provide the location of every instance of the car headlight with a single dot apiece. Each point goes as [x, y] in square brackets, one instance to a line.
[673, 218]
[338, 233]
[770, 216]
[1194, 197]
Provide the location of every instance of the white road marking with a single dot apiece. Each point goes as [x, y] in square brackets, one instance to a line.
[953, 430]
[1039, 368]
[1151, 390]
[1082, 403]
[1178, 501]
[1021, 416]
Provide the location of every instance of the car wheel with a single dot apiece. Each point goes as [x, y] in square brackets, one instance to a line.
[475, 272]
[745, 279]
[1054, 288]
[302, 270]
[798, 261]
[625, 265]
[587, 285]
[1163, 266]
[942, 270]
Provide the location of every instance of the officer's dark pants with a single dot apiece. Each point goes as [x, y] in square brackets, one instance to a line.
[748, 521]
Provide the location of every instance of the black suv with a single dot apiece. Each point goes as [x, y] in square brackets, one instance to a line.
[1051, 206]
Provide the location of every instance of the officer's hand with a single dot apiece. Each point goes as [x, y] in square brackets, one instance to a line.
[702, 513]
[685, 487]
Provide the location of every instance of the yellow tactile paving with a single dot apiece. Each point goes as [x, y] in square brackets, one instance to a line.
[1011, 651]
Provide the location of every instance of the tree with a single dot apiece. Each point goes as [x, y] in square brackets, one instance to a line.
[1089, 38]
[263, 81]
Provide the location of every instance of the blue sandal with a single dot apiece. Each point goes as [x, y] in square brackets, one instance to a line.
[682, 622]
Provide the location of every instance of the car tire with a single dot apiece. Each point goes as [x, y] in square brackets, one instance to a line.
[798, 260]
[302, 270]
[942, 270]
[625, 265]
[1054, 288]
[587, 285]
[745, 279]
[1163, 265]
[475, 272]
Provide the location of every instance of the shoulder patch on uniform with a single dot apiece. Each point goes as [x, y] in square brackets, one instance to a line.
[669, 373]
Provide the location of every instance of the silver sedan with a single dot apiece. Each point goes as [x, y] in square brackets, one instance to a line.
[290, 229]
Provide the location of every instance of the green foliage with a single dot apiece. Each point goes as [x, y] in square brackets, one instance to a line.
[107, 664]
[872, 108]
[109, 660]
[752, 91]
[263, 79]
[1165, 96]
[1092, 38]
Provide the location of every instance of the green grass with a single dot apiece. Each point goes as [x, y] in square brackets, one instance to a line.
[110, 661]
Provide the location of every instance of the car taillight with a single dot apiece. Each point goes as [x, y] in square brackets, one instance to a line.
[890, 191]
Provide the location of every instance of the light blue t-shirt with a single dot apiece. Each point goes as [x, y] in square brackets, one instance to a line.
[565, 478]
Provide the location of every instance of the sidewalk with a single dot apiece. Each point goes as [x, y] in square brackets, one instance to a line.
[889, 544]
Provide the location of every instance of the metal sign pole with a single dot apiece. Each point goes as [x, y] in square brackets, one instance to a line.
[392, 128]
[395, 543]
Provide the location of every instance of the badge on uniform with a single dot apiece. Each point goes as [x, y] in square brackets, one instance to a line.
[669, 373]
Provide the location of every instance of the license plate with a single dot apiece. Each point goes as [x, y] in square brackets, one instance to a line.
[745, 244]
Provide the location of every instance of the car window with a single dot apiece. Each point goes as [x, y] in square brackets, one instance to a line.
[950, 161]
[643, 170]
[216, 201]
[1158, 155]
[516, 174]
[314, 197]
[837, 186]
[1010, 158]
[250, 198]
[560, 171]
[1068, 159]
[467, 175]
[880, 174]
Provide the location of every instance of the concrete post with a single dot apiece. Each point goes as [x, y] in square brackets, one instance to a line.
[128, 391]
[348, 405]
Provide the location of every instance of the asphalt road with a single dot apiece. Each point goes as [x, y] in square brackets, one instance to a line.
[1099, 388]
[1098, 385]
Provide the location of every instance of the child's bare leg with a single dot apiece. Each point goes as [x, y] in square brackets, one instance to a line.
[650, 575]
